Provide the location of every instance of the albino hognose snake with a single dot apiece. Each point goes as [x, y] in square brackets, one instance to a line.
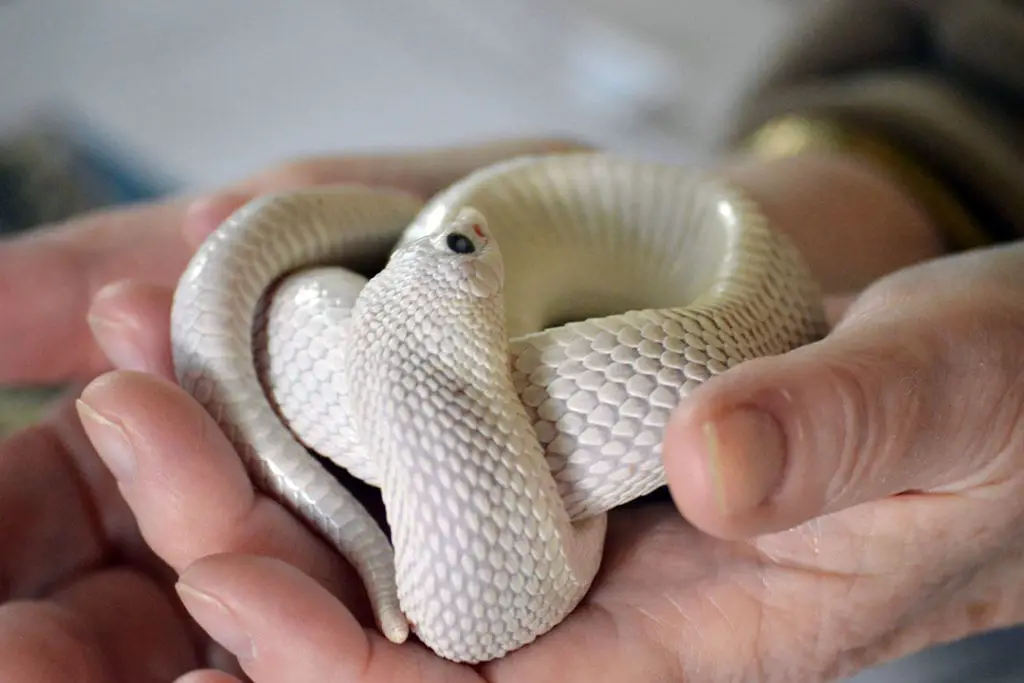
[504, 380]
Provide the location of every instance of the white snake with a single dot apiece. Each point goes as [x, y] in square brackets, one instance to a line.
[502, 399]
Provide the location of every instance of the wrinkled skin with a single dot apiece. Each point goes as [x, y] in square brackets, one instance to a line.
[914, 393]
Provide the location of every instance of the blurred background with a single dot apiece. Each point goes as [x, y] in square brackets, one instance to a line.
[189, 94]
[104, 101]
[109, 101]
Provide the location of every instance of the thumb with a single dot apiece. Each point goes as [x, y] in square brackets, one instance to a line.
[864, 414]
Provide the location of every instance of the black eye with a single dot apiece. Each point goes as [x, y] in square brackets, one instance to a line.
[460, 244]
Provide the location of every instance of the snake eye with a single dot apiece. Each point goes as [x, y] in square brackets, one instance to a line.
[460, 244]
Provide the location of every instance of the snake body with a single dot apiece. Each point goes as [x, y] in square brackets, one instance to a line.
[500, 361]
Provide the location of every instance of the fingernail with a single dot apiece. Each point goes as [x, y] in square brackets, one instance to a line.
[217, 619]
[110, 440]
[114, 333]
[745, 453]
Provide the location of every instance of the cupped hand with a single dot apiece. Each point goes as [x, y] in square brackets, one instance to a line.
[843, 505]
[880, 472]
[82, 597]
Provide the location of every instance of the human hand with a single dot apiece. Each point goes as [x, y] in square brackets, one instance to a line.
[893, 527]
[50, 276]
[81, 595]
[815, 597]
[880, 472]
[852, 220]
[48, 280]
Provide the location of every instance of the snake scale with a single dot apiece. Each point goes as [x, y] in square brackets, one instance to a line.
[500, 360]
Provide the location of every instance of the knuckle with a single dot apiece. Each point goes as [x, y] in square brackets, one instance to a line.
[885, 299]
[880, 400]
[848, 399]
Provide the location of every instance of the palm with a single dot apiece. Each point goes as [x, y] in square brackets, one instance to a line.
[670, 603]
[660, 578]
[826, 598]
[665, 593]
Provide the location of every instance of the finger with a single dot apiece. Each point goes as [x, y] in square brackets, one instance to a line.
[130, 321]
[60, 510]
[113, 625]
[107, 507]
[424, 174]
[137, 624]
[800, 193]
[129, 318]
[186, 485]
[265, 612]
[862, 415]
[49, 527]
[48, 278]
[41, 642]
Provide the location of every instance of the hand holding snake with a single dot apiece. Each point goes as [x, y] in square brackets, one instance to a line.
[498, 434]
[670, 601]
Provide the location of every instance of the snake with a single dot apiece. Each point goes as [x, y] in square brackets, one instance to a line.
[499, 360]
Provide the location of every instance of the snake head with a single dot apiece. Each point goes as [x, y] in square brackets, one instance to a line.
[461, 251]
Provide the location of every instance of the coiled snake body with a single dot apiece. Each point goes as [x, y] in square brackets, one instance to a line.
[504, 378]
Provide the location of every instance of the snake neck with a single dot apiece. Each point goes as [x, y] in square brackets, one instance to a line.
[447, 365]
[463, 477]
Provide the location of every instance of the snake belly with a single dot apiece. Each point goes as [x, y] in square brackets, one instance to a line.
[504, 379]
